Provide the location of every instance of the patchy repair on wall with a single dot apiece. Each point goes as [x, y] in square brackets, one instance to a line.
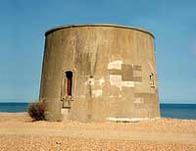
[101, 81]
[97, 93]
[128, 84]
[122, 75]
[119, 96]
[115, 65]
[139, 100]
[115, 119]
[138, 83]
[116, 80]
[65, 111]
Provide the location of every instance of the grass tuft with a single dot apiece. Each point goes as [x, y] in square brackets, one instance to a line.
[37, 111]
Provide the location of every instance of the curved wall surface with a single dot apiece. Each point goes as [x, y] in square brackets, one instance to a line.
[113, 73]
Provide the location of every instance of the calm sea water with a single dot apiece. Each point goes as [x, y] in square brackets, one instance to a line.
[13, 107]
[180, 111]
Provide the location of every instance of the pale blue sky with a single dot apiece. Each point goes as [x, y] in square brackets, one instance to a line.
[24, 22]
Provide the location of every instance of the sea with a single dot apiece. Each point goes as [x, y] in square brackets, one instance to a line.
[179, 111]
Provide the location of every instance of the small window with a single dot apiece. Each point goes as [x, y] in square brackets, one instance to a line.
[69, 76]
[152, 82]
[151, 76]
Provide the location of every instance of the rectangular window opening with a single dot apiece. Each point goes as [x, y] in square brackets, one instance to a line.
[69, 76]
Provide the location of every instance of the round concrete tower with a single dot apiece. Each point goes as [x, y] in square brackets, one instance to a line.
[98, 72]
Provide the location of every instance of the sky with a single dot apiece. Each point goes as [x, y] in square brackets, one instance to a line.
[24, 22]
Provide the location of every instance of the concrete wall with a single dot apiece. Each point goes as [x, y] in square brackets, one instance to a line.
[114, 73]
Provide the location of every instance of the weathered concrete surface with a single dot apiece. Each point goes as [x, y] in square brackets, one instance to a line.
[114, 73]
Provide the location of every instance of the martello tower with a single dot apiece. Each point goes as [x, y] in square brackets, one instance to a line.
[99, 71]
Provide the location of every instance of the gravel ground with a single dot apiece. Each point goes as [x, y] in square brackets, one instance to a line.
[19, 133]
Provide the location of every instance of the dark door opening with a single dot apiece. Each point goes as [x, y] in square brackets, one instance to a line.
[69, 82]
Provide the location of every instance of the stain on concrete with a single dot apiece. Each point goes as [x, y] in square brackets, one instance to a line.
[115, 65]
[97, 93]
